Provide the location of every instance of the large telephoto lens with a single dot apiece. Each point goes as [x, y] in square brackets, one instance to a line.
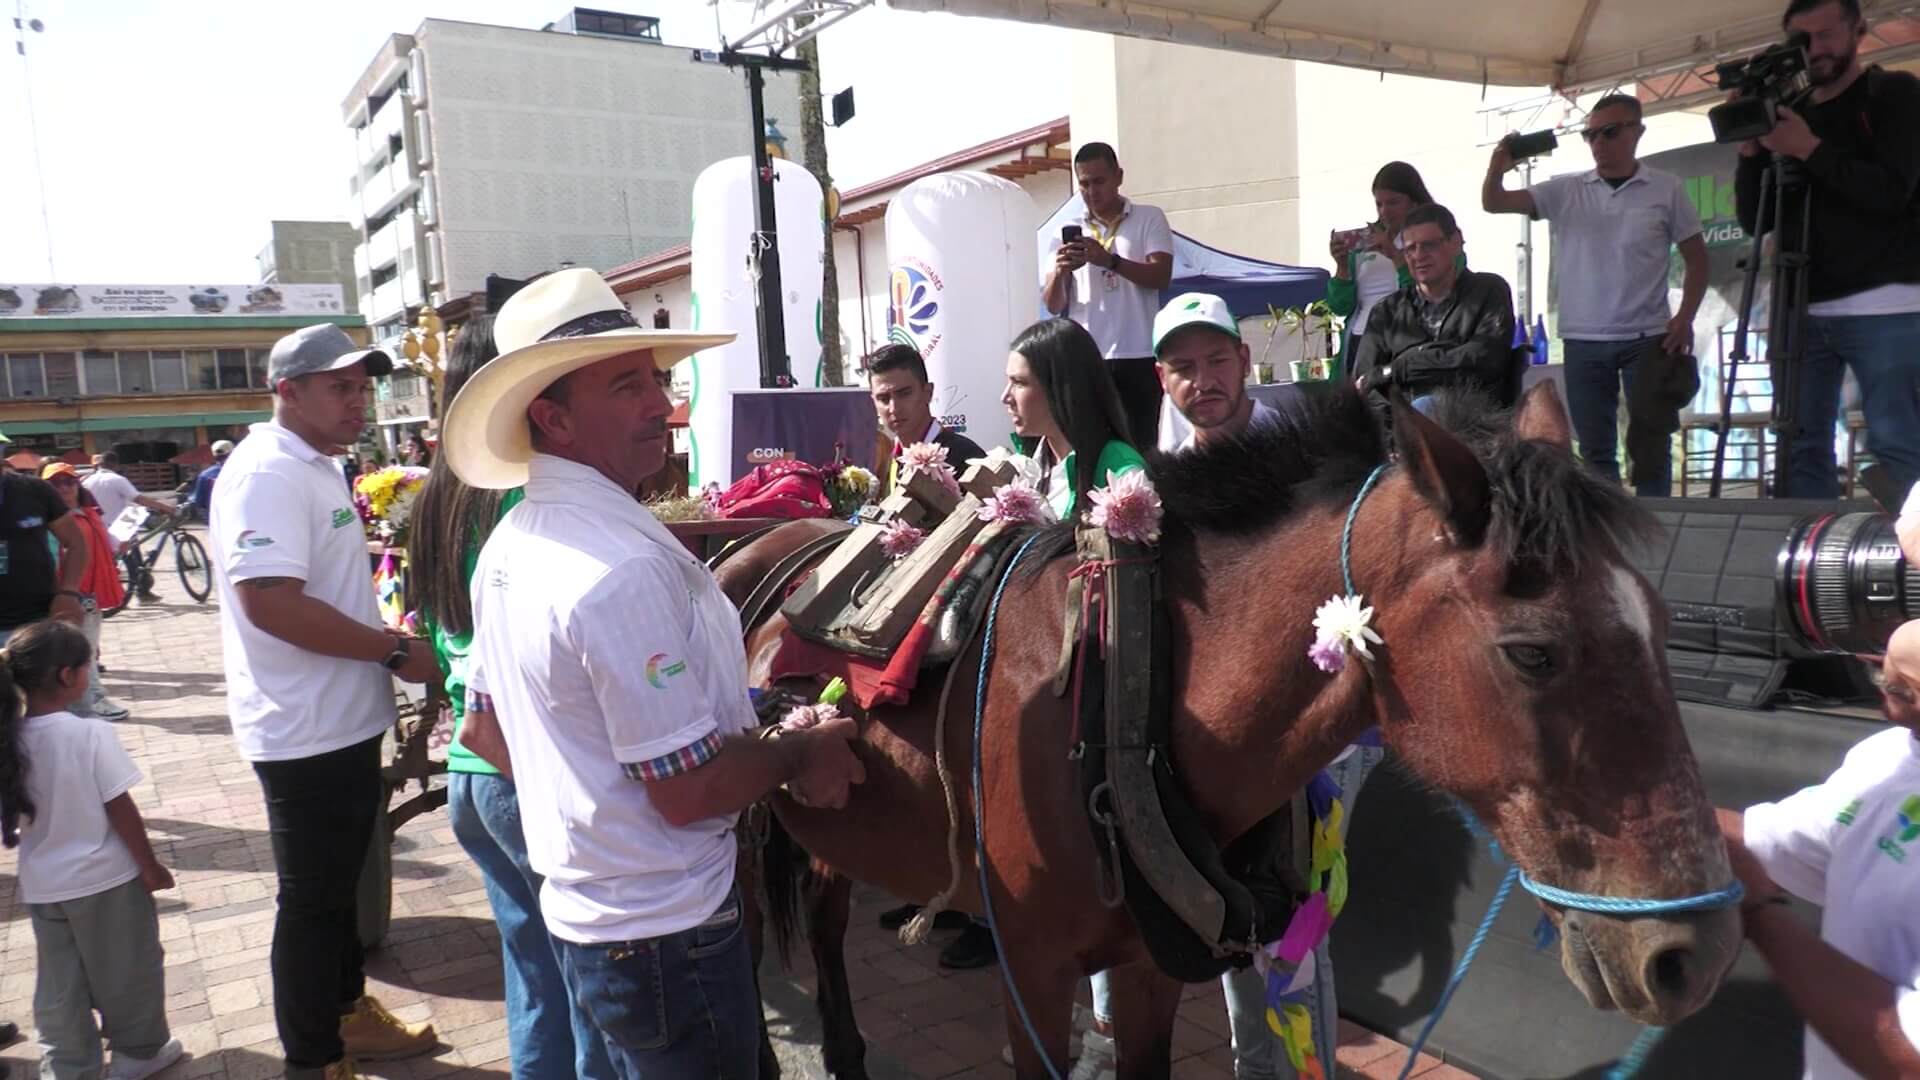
[1844, 583]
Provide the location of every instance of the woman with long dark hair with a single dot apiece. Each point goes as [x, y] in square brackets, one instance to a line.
[1368, 270]
[1066, 412]
[451, 522]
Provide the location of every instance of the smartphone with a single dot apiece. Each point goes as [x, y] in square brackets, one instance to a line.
[1357, 238]
[1069, 234]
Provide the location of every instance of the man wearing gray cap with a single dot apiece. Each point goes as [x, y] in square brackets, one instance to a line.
[310, 675]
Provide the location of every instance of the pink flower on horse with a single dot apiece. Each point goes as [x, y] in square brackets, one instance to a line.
[1017, 503]
[1128, 508]
[801, 717]
[899, 539]
[929, 458]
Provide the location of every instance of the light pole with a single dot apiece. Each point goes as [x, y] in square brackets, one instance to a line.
[21, 24]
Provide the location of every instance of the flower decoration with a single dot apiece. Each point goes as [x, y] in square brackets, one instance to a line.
[1128, 508]
[899, 539]
[922, 455]
[1343, 624]
[1024, 467]
[849, 488]
[385, 500]
[801, 717]
[1017, 503]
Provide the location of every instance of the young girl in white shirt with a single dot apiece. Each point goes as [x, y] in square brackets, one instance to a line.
[86, 869]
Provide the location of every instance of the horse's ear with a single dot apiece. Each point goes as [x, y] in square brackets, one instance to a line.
[1445, 472]
[1541, 416]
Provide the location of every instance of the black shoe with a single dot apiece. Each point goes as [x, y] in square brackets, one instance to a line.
[972, 949]
[9, 1031]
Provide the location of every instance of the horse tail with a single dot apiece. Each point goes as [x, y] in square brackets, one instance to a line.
[786, 870]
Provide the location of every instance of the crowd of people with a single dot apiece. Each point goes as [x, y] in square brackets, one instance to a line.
[605, 741]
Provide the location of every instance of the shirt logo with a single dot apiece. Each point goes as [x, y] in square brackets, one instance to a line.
[252, 541]
[1907, 830]
[1848, 812]
[343, 518]
[660, 669]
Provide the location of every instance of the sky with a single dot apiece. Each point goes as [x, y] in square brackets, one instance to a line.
[171, 134]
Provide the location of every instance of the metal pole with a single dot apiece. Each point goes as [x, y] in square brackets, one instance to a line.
[1526, 255]
[770, 314]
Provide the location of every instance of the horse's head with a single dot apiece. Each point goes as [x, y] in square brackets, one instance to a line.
[1525, 673]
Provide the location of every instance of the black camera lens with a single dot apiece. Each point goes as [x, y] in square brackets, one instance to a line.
[1844, 583]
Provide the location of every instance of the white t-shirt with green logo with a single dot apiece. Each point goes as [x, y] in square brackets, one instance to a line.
[282, 509]
[1852, 845]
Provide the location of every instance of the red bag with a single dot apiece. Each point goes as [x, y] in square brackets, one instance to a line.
[778, 489]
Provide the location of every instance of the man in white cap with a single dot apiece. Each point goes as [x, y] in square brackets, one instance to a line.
[615, 667]
[310, 672]
[1203, 367]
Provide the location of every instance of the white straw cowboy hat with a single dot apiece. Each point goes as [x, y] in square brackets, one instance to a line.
[553, 327]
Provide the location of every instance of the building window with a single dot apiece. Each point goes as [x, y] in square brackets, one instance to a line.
[24, 377]
[233, 369]
[102, 372]
[136, 376]
[385, 274]
[257, 368]
[169, 373]
[63, 375]
[201, 374]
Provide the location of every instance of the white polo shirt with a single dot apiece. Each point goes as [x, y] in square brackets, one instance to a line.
[1118, 313]
[282, 509]
[611, 657]
[1852, 845]
[112, 491]
[1612, 248]
[69, 849]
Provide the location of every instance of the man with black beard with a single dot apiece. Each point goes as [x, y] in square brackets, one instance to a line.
[1856, 140]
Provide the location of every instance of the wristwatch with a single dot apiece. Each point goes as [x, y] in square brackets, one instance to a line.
[397, 659]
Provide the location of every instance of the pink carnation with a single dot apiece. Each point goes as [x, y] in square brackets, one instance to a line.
[899, 538]
[1128, 508]
[1328, 654]
[1017, 503]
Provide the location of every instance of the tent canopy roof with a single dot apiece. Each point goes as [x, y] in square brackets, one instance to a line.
[1571, 45]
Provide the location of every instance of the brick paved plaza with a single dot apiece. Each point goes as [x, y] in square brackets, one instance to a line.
[441, 960]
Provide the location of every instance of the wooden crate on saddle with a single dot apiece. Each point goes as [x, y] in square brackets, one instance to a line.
[921, 502]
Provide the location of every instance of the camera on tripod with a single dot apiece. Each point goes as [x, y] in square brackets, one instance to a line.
[1765, 81]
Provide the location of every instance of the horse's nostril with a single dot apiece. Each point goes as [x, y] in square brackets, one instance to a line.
[1669, 972]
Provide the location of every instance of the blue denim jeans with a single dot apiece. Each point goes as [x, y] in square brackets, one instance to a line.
[1598, 372]
[550, 1040]
[678, 1007]
[1884, 353]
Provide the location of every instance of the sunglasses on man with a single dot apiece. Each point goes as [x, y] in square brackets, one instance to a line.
[1606, 131]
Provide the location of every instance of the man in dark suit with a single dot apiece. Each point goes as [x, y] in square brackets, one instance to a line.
[1452, 327]
[903, 400]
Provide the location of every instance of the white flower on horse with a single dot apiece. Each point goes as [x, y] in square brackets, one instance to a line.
[1024, 467]
[1017, 503]
[1128, 508]
[801, 717]
[899, 539]
[1343, 624]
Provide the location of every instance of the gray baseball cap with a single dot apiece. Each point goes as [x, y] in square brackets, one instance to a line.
[325, 347]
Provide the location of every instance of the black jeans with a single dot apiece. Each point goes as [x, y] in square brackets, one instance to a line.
[1139, 386]
[320, 812]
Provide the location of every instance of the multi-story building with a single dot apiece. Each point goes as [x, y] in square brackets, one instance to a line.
[312, 253]
[490, 149]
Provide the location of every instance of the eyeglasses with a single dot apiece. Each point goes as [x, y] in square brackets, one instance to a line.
[1605, 131]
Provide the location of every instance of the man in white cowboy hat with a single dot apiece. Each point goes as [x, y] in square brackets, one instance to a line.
[310, 672]
[615, 667]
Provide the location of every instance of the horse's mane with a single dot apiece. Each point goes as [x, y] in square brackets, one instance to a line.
[1548, 511]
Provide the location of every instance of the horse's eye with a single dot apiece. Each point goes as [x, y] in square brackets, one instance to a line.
[1530, 659]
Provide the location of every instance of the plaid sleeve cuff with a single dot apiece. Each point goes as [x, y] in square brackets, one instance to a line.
[686, 759]
[479, 702]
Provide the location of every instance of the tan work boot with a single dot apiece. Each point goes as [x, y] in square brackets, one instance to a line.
[371, 1033]
[339, 1070]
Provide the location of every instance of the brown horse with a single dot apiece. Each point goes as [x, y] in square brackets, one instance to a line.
[1523, 672]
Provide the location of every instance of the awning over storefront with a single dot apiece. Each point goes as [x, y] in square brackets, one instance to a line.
[133, 423]
[1566, 44]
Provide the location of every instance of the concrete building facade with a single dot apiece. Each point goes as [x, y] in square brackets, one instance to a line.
[311, 253]
[489, 149]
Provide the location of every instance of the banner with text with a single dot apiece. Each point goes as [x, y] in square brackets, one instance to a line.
[813, 426]
[133, 301]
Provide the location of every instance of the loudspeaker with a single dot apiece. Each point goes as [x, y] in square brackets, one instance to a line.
[1717, 565]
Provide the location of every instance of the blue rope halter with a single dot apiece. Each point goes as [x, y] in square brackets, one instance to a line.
[1565, 898]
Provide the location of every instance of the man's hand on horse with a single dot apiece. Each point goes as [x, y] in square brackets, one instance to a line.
[828, 766]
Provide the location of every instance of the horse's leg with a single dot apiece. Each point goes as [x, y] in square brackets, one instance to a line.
[830, 902]
[1047, 992]
[1145, 1002]
[747, 878]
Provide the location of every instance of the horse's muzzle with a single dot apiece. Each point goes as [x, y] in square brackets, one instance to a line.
[1656, 970]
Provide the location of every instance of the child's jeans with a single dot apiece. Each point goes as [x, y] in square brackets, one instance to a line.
[98, 952]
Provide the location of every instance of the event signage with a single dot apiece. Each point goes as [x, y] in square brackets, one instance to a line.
[134, 301]
[1707, 171]
[814, 426]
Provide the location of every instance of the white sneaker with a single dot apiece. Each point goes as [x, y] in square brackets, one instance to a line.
[1082, 1021]
[128, 1067]
[1097, 1060]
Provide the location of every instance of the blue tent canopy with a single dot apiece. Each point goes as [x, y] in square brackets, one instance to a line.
[1248, 286]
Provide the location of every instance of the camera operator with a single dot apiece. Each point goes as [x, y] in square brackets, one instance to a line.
[1857, 137]
[1614, 229]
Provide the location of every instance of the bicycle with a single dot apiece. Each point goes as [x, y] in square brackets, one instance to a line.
[137, 562]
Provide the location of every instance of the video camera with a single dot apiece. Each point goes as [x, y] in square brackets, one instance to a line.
[1765, 81]
[1845, 584]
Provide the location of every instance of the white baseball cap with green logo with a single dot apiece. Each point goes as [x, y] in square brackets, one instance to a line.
[1193, 309]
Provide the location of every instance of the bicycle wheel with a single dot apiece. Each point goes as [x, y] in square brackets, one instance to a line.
[125, 566]
[190, 558]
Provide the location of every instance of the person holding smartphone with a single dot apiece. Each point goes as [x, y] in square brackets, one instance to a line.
[1107, 272]
[1367, 264]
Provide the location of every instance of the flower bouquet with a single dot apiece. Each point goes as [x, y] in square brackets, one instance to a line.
[849, 488]
[385, 500]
